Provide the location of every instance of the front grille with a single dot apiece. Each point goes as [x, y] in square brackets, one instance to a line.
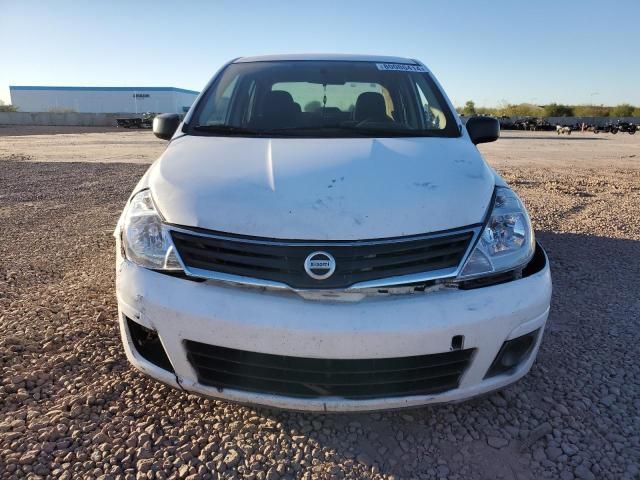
[312, 378]
[357, 261]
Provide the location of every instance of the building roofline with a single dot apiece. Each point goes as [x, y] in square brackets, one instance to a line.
[103, 89]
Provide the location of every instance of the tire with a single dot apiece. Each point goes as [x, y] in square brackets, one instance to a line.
[614, 130]
[632, 131]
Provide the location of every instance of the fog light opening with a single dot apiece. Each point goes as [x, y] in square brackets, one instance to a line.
[512, 354]
[148, 345]
[457, 342]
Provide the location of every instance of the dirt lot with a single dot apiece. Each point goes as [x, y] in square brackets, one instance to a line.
[71, 407]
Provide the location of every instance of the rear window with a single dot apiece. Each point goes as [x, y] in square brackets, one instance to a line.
[322, 99]
[311, 96]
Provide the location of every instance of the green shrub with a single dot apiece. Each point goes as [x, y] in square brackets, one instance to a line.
[7, 108]
[622, 110]
[521, 110]
[550, 110]
[591, 111]
[556, 110]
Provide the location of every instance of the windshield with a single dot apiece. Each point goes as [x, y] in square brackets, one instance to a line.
[323, 99]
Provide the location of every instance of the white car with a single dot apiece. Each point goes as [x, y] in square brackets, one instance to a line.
[322, 234]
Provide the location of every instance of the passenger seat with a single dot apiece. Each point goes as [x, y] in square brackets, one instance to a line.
[371, 106]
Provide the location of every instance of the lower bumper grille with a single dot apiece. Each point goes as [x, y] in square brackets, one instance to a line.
[312, 378]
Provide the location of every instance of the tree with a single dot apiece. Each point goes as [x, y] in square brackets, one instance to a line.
[312, 106]
[556, 110]
[469, 108]
[636, 112]
[7, 108]
[622, 110]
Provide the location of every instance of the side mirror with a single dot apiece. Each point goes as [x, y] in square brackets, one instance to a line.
[165, 125]
[483, 129]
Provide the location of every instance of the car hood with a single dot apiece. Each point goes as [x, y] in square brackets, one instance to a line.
[322, 189]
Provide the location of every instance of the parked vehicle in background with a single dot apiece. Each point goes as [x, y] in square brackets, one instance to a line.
[506, 123]
[614, 128]
[526, 124]
[543, 125]
[627, 127]
[533, 124]
[322, 234]
[606, 128]
[143, 121]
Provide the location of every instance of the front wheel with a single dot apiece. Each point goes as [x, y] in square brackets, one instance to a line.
[614, 130]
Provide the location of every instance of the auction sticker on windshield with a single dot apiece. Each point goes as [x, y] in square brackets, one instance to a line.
[401, 67]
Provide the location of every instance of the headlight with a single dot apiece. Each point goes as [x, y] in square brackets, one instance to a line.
[507, 241]
[145, 238]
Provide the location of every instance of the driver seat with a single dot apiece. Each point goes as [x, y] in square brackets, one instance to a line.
[278, 110]
[371, 106]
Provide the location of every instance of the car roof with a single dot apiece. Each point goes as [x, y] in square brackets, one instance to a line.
[328, 57]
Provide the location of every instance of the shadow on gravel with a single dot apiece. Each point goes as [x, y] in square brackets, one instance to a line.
[577, 397]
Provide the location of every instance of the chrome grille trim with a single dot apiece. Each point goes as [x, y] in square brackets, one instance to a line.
[383, 283]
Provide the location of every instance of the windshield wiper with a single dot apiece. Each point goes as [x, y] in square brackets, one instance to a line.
[392, 132]
[302, 130]
[226, 129]
[382, 131]
[385, 130]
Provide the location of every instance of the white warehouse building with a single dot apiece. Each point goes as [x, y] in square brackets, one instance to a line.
[102, 99]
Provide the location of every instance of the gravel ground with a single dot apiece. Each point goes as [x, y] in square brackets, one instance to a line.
[71, 407]
[30, 130]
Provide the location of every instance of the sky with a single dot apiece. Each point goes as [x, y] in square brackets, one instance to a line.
[541, 51]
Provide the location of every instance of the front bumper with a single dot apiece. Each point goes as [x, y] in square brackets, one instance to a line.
[374, 327]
